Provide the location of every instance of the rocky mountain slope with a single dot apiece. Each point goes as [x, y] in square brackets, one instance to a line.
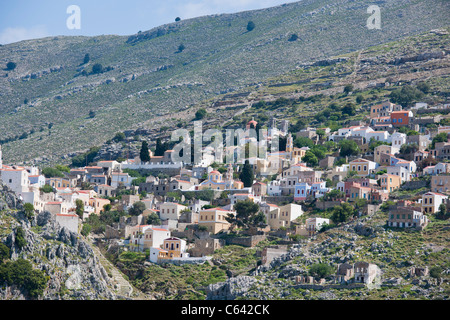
[46, 102]
[374, 73]
[71, 269]
[367, 239]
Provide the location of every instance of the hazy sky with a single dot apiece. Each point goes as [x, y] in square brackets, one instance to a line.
[30, 19]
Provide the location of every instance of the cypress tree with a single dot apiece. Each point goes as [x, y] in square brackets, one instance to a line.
[144, 155]
[159, 151]
[247, 175]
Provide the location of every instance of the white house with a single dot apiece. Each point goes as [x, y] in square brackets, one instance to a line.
[377, 136]
[243, 197]
[154, 237]
[410, 166]
[37, 180]
[118, 178]
[437, 169]
[15, 178]
[400, 171]
[314, 225]
[319, 189]
[274, 188]
[398, 139]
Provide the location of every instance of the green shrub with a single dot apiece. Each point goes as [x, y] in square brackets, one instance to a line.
[4, 252]
[11, 66]
[200, 114]
[28, 209]
[86, 229]
[320, 270]
[22, 274]
[435, 272]
[250, 26]
[20, 238]
[46, 188]
[97, 68]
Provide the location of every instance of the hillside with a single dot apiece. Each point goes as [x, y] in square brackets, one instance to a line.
[45, 102]
[300, 95]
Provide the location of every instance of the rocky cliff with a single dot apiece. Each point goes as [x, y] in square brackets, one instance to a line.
[71, 268]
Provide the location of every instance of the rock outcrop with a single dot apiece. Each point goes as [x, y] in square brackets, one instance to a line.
[73, 271]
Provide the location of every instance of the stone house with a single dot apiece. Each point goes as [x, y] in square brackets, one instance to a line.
[205, 247]
[407, 217]
[420, 140]
[344, 273]
[441, 151]
[418, 272]
[271, 252]
[440, 183]
[365, 272]
[327, 162]
[70, 221]
[259, 189]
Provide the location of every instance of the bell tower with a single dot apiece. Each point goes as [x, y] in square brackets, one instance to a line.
[229, 176]
[289, 143]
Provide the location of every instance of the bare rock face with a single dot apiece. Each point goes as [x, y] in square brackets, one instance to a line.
[231, 289]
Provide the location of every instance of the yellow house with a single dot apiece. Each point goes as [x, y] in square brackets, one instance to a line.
[215, 181]
[174, 247]
[214, 219]
[98, 203]
[390, 182]
[59, 183]
[283, 216]
[363, 167]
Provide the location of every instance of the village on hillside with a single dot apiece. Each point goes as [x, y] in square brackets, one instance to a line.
[180, 213]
